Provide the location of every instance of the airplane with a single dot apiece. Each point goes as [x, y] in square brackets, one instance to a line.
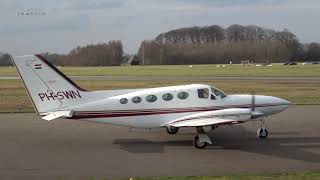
[200, 106]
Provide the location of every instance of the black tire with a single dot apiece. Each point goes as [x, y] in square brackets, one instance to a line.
[262, 133]
[172, 130]
[197, 144]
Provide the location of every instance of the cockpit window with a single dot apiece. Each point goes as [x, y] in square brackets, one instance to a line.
[217, 92]
[213, 97]
[203, 93]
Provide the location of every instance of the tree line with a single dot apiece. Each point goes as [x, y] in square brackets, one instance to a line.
[214, 44]
[5, 59]
[102, 54]
[196, 45]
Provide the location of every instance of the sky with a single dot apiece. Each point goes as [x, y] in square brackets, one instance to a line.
[63, 25]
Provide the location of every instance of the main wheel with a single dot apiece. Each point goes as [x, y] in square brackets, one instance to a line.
[172, 130]
[262, 133]
[197, 144]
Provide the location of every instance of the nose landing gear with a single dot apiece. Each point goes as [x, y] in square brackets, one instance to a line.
[262, 132]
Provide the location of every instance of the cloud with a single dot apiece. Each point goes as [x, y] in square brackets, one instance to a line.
[225, 3]
[9, 5]
[70, 23]
[27, 24]
[94, 5]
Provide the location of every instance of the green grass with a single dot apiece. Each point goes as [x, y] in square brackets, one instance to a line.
[185, 70]
[13, 97]
[307, 175]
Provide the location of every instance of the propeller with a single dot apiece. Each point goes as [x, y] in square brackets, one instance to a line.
[254, 113]
[253, 101]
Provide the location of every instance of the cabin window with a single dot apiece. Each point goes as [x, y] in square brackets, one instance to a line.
[151, 98]
[203, 93]
[123, 100]
[167, 97]
[183, 95]
[218, 93]
[136, 99]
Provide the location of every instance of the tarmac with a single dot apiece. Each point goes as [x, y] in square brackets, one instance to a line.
[31, 148]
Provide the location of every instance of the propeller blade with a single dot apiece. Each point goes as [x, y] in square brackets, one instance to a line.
[253, 101]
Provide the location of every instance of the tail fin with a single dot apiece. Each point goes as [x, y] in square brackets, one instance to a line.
[48, 88]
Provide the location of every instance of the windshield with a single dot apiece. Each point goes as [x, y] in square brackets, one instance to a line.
[218, 92]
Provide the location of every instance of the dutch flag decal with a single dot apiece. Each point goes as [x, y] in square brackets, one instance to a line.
[38, 66]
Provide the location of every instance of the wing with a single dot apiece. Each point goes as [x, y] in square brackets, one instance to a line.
[203, 122]
[209, 118]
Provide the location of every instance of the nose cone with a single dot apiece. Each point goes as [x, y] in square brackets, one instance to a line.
[272, 105]
[284, 104]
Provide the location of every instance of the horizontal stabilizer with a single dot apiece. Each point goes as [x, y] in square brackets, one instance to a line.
[57, 114]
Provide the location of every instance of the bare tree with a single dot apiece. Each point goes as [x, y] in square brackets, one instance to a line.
[214, 44]
[103, 54]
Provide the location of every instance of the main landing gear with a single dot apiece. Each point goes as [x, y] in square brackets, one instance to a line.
[262, 132]
[201, 140]
[172, 130]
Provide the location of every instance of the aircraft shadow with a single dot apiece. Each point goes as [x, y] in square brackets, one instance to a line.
[280, 144]
[146, 146]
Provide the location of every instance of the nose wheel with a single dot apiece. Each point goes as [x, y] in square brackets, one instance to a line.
[262, 132]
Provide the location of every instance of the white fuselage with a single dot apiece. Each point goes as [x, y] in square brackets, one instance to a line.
[54, 96]
[156, 112]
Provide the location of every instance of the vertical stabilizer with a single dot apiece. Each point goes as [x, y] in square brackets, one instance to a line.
[48, 88]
